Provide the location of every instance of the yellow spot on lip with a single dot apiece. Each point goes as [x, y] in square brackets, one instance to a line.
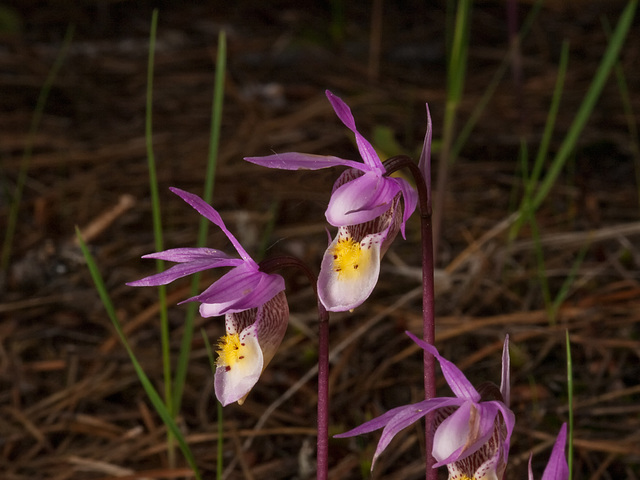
[229, 350]
[347, 258]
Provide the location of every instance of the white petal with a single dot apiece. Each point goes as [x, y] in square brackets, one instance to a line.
[233, 382]
[344, 284]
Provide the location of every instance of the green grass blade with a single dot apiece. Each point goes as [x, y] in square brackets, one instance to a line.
[155, 399]
[627, 106]
[609, 59]
[219, 420]
[566, 285]
[535, 232]
[570, 401]
[214, 143]
[476, 114]
[14, 210]
[157, 217]
[546, 140]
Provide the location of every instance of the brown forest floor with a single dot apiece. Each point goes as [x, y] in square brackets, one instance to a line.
[71, 406]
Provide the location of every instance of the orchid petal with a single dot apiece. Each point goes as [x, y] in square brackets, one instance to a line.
[193, 260]
[530, 470]
[410, 197]
[210, 213]
[376, 423]
[239, 289]
[367, 152]
[510, 422]
[557, 468]
[233, 382]
[397, 419]
[464, 432]
[424, 164]
[402, 420]
[253, 336]
[459, 384]
[361, 200]
[303, 161]
[182, 270]
[271, 323]
[182, 255]
[349, 271]
[505, 381]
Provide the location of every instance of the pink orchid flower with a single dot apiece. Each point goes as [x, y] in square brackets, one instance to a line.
[472, 435]
[364, 205]
[253, 302]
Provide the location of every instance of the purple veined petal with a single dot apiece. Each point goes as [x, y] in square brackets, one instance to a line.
[235, 377]
[378, 422]
[510, 422]
[210, 213]
[367, 152]
[381, 421]
[459, 384]
[234, 284]
[361, 200]
[349, 271]
[425, 157]
[257, 292]
[303, 161]
[530, 470]
[193, 260]
[473, 427]
[271, 323]
[557, 468]
[182, 270]
[410, 198]
[397, 419]
[451, 439]
[242, 288]
[505, 381]
[401, 421]
[182, 255]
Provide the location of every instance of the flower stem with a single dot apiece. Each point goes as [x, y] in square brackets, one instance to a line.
[428, 297]
[322, 454]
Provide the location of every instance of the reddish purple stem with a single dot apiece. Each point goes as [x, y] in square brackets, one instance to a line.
[428, 296]
[322, 455]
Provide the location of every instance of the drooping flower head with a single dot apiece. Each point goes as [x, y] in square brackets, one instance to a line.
[557, 468]
[253, 301]
[472, 435]
[364, 205]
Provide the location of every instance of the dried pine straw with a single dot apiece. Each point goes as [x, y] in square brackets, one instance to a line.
[71, 406]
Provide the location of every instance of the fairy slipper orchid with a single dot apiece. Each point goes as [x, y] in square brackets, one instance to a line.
[557, 468]
[242, 288]
[364, 205]
[253, 301]
[472, 435]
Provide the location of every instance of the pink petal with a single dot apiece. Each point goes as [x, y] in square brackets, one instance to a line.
[425, 157]
[361, 200]
[557, 468]
[240, 289]
[459, 384]
[505, 381]
[210, 213]
[302, 161]
[367, 152]
[410, 198]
